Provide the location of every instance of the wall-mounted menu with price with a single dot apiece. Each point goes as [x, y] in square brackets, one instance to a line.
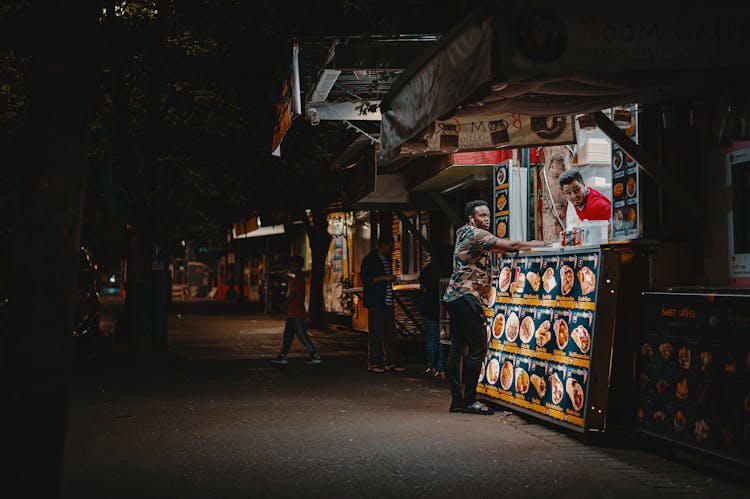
[501, 218]
[694, 371]
[542, 335]
[625, 182]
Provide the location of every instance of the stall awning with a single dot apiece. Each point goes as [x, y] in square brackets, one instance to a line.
[550, 58]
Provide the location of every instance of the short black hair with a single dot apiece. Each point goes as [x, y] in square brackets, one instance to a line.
[385, 238]
[473, 205]
[570, 176]
[297, 260]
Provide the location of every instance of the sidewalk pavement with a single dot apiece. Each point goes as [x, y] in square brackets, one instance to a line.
[213, 418]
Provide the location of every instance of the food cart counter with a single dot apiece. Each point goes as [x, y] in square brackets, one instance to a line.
[550, 333]
[694, 370]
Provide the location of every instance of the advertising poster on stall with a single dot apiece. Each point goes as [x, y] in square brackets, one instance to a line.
[501, 203]
[626, 215]
[505, 130]
[693, 372]
[542, 333]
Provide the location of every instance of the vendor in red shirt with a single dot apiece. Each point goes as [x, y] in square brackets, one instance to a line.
[589, 203]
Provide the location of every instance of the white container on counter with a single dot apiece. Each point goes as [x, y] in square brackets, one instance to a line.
[595, 231]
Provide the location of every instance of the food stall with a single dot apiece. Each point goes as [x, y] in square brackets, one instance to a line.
[669, 190]
[550, 334]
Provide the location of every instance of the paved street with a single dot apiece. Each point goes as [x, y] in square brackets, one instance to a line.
[213, 419]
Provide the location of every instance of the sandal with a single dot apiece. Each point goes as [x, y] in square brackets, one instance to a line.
[395, 368]
[478, 408]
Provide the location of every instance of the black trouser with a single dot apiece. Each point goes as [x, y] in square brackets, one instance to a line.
[296, 327]
[468, 329]
[381, 336]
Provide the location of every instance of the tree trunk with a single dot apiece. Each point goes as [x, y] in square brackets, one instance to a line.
[320, 242]
[139, 299]
[36, 352]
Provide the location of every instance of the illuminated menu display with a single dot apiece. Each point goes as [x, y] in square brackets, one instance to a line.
[541, 334]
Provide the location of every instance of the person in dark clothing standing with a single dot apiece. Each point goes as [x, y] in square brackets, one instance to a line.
[294, 306]
[429, 279]
[466, 298]
[377, 278]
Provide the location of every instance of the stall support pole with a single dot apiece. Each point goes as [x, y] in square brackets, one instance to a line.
[411, 228]
[446, 208]
[526, 163]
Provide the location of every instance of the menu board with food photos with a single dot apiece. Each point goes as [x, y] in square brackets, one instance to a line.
[625, 182]
[541, 333]
[694, 371]
[501, 210]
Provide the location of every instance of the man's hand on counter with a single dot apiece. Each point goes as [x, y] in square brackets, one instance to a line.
[536, 244]
[504, 246]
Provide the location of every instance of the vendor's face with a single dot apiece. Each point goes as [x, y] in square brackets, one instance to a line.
[575, 192]
[481, 217]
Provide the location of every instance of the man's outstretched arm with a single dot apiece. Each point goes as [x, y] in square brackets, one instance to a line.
[505, 246]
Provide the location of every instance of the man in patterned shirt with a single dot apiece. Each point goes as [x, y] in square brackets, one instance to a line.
[466, 297]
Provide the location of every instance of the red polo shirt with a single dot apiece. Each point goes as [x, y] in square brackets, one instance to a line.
[296, 307]
[596, 207]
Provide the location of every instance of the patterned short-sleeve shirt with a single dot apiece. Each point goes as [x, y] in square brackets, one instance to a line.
[470, 259]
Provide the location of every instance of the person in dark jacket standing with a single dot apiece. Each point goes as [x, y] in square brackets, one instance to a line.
[377, 278]
[294, 307]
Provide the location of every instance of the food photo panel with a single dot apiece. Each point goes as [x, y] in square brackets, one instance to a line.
[581, 329]
[533, 275]
[543, 333]
[538, 380]
[549, 271]
[556, 375]
[561, 331]
[512, 325]
[506, 374]
[586, 274]
[527, 327]
[521, 381]
[575, 391]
